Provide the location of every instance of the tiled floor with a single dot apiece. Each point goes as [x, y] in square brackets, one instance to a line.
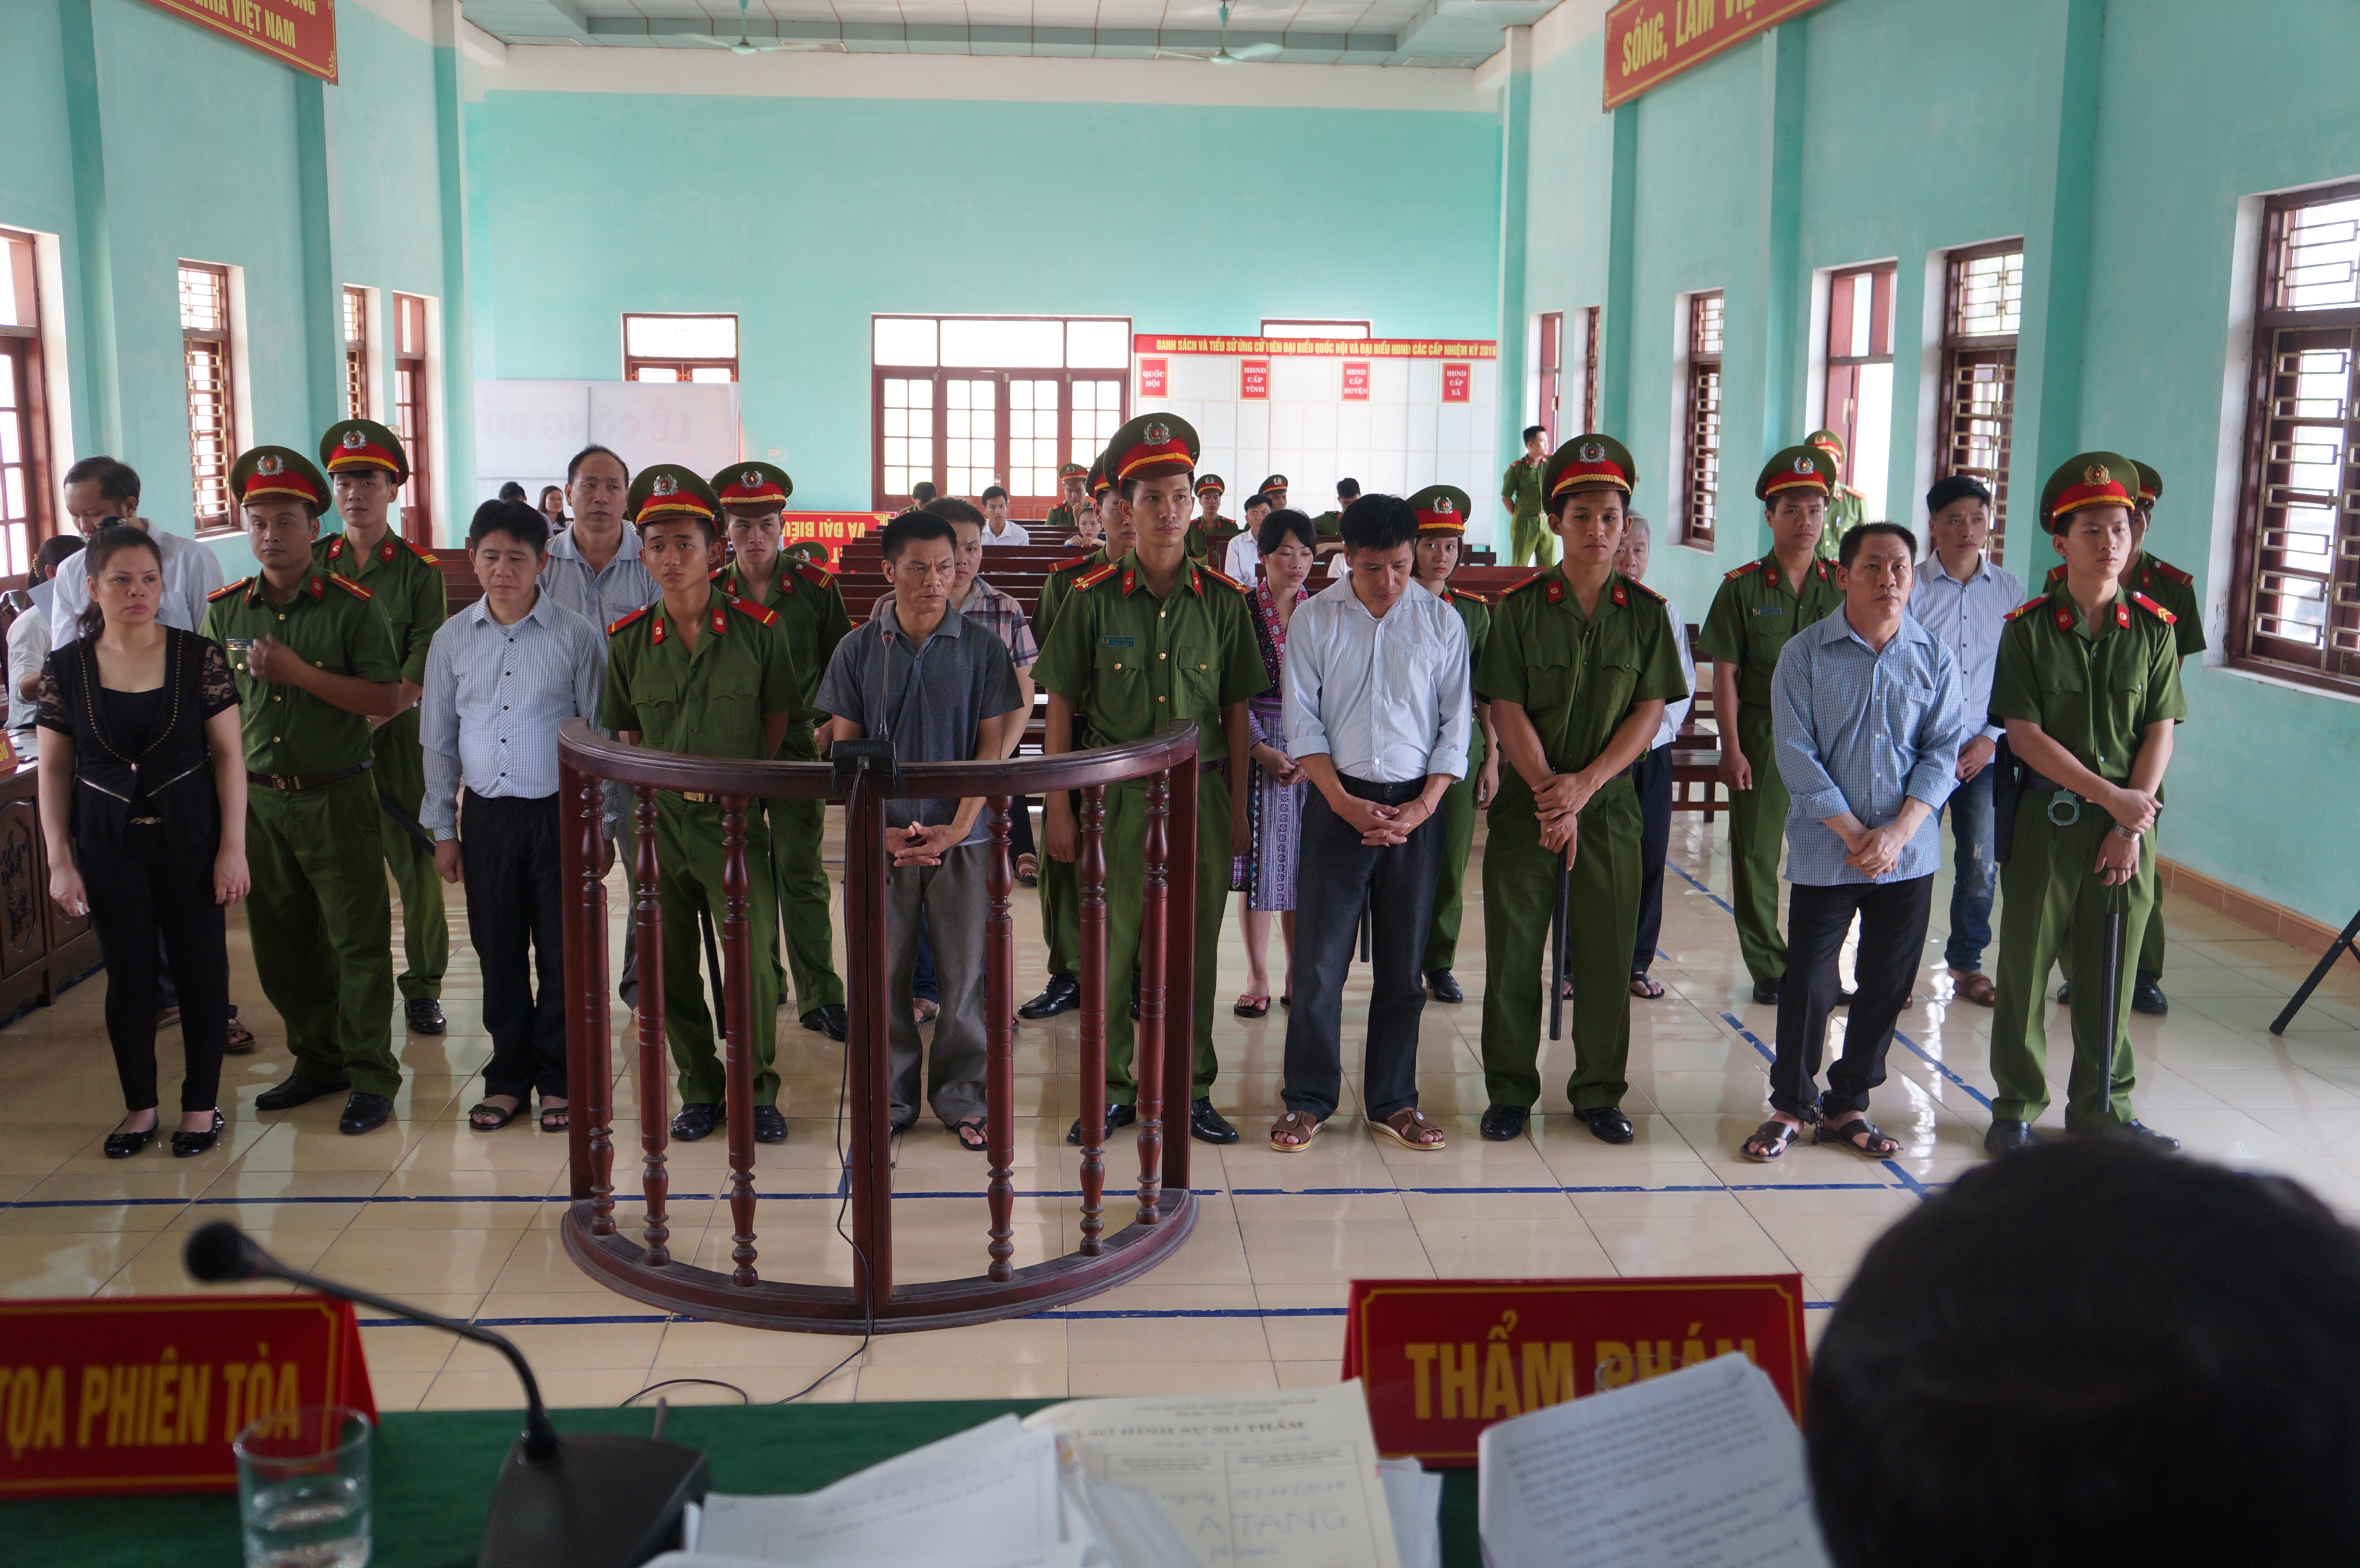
[466, 1223]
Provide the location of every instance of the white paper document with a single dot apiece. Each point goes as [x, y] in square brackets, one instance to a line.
[1699, 1468]
[1288, 1478]
[1413, 1496]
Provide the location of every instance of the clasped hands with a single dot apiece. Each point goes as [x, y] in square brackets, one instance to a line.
[1874, 851]
[2133, 811]
[1382, 826]
[1558, 800]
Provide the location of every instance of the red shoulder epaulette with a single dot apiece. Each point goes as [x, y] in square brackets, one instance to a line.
[2172, 572]
[814, 576]
[422, 552]
[1089, 580]
[1474, 598]
[349, 587]
[626, 620]
[2028, 604]
[1527, 583]
[716, 574]
[2152, 608]
[1650, 592]
[766, 617]
[1733, 576]
[1069, 565]
[1222, 577]
[2056, 573]
[226, 589]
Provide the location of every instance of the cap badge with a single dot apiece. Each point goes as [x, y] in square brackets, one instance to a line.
[1442, 504]
[2096, 473]
[269, 464]
[354, 441]
[665, 485]
[1158, 434]
[1803, 465]
[1592, 452]
[751, 479]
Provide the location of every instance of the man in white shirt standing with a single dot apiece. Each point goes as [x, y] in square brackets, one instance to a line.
[1243, 561]
[1377, 714]
[1652, 774]
[999, 528]
[1963, 599]
[98, 488]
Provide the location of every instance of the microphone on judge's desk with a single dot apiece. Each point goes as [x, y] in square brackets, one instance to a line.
[594, 1499]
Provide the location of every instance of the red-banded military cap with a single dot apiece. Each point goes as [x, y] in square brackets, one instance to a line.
[1798, 470]
[2150, 485]
[1441, 509]
[2091, 479]
[1071, 471]
[1151, 446]
[755, 486]
[1276, 482]
[364, 443]
[668, 490]
[1099, 483]
[1589, 459]
[1827, 442]
[1213, 483]
[268, 472]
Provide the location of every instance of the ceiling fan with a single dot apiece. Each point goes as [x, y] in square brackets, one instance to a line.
[741, 44]
[1244, 54]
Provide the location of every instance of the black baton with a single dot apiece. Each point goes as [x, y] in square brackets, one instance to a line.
[407, 823]
[1557, 948]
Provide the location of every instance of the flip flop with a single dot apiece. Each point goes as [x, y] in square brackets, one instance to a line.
[966, 1125]
[1646, 987]
[1251, 1006]
[486, 1108]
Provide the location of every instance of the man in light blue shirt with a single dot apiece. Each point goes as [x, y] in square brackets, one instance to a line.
[1963, 599]
[593, 568]
[1865, 715]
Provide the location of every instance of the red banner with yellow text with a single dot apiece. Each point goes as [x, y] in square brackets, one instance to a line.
[1648, 42]
[301, 33]
[145, 1394]
[1316, 348]
[832, 529]
[1442, 1359]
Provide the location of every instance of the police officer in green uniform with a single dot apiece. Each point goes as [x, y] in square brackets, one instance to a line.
[2087, 682]
[313, 661]
[702, 673]
[810, 613]
[1209, 535]
[1144, 642]
[1577, 669]
[1061, 915]
[1064, 517]
[1759, 607]
[367, 469]
[1529, 539]
[1442, 511]
[1846, 507]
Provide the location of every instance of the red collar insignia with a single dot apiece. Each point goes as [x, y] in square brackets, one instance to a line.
[2122, 614]
[1621, 597]
[720, 622]
[319, 589]
[1556, 589]
[1129, 579]
[2064, 617]
[656, 630]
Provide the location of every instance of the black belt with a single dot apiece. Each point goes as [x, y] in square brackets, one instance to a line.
[296, 783]
[1383, 794]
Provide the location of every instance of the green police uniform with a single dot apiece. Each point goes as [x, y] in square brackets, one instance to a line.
[1442, 509]
[1756, 610]
[1061, 516]
[1529, 539]
[708, 700]
[1846, 507]
[1061, 922]
[2094, 689]
[812, 616]
[1137, 664]
[1211, 543]
[1577, 676]
[321, 921]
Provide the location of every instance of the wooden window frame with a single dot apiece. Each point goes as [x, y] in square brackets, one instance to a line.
[1700, 500]
[1548, 378]
[20, 359]
[412, 414]
[2327, 668]
[356, 365]
[681, 368]
[1589, 367]
[1839, 405]
[1967, 351]
[224, 344]
[878, 375]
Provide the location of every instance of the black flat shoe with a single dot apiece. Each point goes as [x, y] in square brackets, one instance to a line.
[124, 1145]
[769, 1125]
[187, 1144]
[1207, 1124]
[295, 1090]
[424, 1015]
[2009, 1137]
[831, 1020]
[2147, 997]
[694, 1122]
[2139, 1132]
[1063, 994]
[364, 1112]
[2065, 994]
[1443, 986]
[1116, 1116]
[1607, 1124]
[1502, 1123]
[1766, 992]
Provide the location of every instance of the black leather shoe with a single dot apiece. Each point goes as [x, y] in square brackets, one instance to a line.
[1607, 1124]
[2007, 1138]
[2147, 997]
[425, 1015]
[831, 1020]
[2140, 1132]
[1063, 994]
[295, 1090]
[693, 1122]
[1443, 986]
[1116, 1116]
[124, 1145]
[1207, 1124]
[364, 1112]
[187, 1144]
[1766, 993]
[2064, 992]
[769, 1125]
[1502, 1123]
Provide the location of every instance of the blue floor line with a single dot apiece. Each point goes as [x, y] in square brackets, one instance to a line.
[1748, 1036]
[1935, 1062]
[1682, 873]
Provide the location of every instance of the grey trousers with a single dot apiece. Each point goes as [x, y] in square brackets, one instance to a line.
[952, 896]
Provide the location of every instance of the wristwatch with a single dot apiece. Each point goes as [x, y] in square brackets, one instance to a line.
[2117, 830]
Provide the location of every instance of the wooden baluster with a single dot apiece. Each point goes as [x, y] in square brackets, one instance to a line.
[1180, 966]
[594, 1093]
[737, 1049]
[1000, 1037]
[1091, 873]
[655, 1060]
[869, 1161]
[1147, 1064]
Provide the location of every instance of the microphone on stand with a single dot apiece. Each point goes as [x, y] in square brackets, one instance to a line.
[593, 1500]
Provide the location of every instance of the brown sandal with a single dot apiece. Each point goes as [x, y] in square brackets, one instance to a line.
[1772, 1137]
[485, 1116]
[1849, 1135]
[1976, 988]
[555, 1118]
[1295, 1125]
[1408, 1128]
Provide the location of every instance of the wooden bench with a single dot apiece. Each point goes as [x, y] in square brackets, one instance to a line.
[1696, 752]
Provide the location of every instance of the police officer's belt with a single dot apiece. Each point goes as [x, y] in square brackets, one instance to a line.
[296, 783]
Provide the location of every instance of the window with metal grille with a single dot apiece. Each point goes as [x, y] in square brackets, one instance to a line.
[1975, 422]
[25, 512]
[213, 426]
[1859, 406]
[967, 402]
[1549, 379]
[356, 366]
[410, 394]
[1700, 421]
[2294, 605]
[1589, 367]
[680, 348]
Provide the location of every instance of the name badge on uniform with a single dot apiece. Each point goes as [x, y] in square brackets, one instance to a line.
[1117, 641]
[1769, 609]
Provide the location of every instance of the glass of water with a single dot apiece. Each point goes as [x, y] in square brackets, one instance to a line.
[303, 1488]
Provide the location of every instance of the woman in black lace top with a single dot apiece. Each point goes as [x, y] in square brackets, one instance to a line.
[143, 802]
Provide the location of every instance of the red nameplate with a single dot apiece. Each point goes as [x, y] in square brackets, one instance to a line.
[1442, 1359]
[146, 1393]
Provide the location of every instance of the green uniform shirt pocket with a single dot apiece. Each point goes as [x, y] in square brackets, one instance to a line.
[1119, 698]
[1549, 676]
